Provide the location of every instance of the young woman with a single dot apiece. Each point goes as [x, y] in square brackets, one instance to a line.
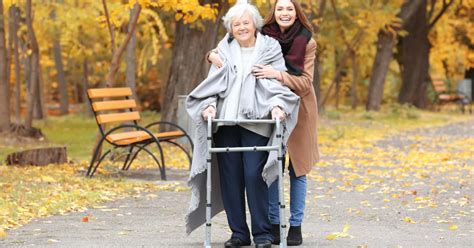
[288, 24]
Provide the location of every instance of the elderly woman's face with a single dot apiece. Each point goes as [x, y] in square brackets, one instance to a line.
[243, 29]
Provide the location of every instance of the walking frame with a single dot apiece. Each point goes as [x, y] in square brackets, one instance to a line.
[278, 148]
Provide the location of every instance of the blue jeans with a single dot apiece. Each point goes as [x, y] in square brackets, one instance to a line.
[297, 199]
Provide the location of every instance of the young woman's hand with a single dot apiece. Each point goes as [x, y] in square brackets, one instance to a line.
[266, 71]
[277, 112]
[209, 111]
[215, 59]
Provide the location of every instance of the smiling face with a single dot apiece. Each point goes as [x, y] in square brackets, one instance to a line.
[285, 14]
[243, 30]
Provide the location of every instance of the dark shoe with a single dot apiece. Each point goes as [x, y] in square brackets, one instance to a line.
[276, 234]
[294, 236]
[263, 244]
[235, 243]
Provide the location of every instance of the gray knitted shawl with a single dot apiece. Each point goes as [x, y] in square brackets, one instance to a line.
[257, 99]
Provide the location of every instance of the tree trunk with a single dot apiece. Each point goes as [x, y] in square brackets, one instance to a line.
[385, 43]
[414, 60]
[415, 52]
[33, 76]
[39, 107]
[61, 77]
[189, 67]
[383, 57]
[4, 91]
[131, 71]
[85, 83]
[14, 23]
[26, 62]
[117, 53]
[355, 79]
[337, 79]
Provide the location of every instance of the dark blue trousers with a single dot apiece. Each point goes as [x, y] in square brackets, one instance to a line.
[240, 173]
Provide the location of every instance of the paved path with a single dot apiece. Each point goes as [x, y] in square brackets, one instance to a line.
[410, 209]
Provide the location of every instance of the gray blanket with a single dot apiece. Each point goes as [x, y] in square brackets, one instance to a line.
[258, 97]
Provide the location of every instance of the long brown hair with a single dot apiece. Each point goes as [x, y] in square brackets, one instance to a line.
[270, 18]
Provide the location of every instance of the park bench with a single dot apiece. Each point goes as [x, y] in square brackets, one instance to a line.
[114, 106]
[443, 95]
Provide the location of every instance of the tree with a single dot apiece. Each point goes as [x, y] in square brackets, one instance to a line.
[61, 77]
[189, 67]
[14, 19]
[131, 71]
[117, 52]
[387, 38]
[4, 82]
[414, 52]
[33, 73]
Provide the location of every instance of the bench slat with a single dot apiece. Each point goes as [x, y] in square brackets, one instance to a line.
[109, 92]
[126, 138]
[113, 105]
[439, 89]
[118, 117]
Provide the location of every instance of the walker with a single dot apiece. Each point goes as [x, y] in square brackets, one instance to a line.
[277, 148]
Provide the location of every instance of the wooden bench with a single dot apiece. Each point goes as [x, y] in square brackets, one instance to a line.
[444, 95]
[114, 105]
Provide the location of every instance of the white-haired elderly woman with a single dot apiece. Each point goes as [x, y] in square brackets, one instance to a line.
[232, 92]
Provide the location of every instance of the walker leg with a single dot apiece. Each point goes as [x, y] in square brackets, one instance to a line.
[281, 200]
[207, 242]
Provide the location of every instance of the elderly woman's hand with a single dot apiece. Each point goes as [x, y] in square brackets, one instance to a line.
[266, 71]
[215, 59]
[209, 111]
[277, 112]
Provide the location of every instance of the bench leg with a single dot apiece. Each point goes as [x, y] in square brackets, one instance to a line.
[90, 170]
[98, 162]
[130, 150]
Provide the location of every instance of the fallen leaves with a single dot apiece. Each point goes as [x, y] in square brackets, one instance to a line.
[453, 227]
[3, 234]
[409, 220]
[343, 234]
[53, 241]
[395, 169]
[32, 192]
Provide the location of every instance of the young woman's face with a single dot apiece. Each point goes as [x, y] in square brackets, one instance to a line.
[243, 29]
[285, 14]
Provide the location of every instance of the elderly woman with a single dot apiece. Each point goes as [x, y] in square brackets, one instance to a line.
[233, 92]
[287, 23]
